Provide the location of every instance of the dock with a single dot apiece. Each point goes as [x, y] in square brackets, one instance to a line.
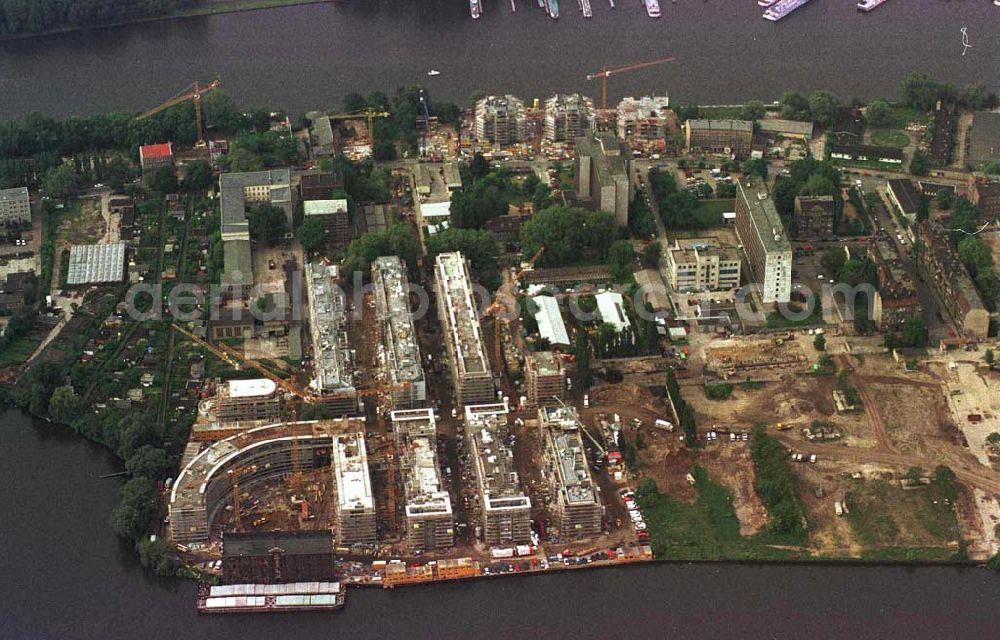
[782, 8]
[269, 598]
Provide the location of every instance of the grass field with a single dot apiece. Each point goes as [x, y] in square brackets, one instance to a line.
[706, 529]
[890, 138]
[20, 350]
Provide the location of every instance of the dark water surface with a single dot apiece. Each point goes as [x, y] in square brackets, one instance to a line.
[64, 576]
[308, 57]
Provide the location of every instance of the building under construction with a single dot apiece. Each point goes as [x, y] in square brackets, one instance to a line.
[333, 376]
[577, 510]
[405, 375]
[277, 557]
[242, 400]
[206, 483]
[646, 118]
[429, 519]
[545, 378]
[501, 120]
[568, 116]
[505, 511]
[355, 501]
[470, 369]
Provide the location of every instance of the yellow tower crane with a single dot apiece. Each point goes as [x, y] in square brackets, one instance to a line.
[192, 92]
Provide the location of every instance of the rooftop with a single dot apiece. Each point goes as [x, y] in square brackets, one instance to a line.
[690, 248]
[739, 126]
[94, 263]
[15, 194]
[263, 543]
[489, 435]
[324, 207]
[392, 304]
[786, 127]
[350, 470]
[606, 155]
[567, 450]
[549, 319]
[416, 440]
[152, 151]
[766, 220]
[612, 309]
[906, 194]
[984, 138]
[250, 388]
[234, 188]
[548, 363]
[327, 316]
[463, 320]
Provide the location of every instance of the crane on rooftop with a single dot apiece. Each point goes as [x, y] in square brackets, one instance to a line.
[610, 70]
[193, 92]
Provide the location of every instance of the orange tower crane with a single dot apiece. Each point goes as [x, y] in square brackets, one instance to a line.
[497, 306]
[234, 478]
[192, 92]
[610, 70]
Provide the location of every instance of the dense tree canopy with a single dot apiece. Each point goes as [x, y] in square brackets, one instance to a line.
[33, 16]
[268, 223]
[570, 236]
[397, 240]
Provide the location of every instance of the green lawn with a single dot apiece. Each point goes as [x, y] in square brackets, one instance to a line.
[890, 138]
[776, 321]
[898, 524]
[706, 529]
[20, 349]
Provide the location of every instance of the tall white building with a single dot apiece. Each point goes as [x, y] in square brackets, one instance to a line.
[568, 116]
[768, 251]
[699, 264]
[501, 120]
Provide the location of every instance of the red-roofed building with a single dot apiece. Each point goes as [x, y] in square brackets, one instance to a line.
[154, 156]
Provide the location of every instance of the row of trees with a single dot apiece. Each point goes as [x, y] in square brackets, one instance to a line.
[685, 415]
[35, 16]
[776, 484]
[807, 177]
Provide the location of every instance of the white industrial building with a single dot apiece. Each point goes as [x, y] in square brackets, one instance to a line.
[96, 263]
[550, 321]
[611, 307]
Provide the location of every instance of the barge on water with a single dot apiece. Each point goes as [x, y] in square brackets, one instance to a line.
[267, 598]
[782, 8]
[868, 5]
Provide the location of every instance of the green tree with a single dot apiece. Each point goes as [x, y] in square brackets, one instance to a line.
[921, 163]
[621, 258]
[819, 342]
[879, 113]
[397, 240]
[312, 234]
[923, 208]
[920, 92]
[975, 255]
[149, 462]
[158, 556]
[795, 106]
[752, 110]
[818, 185]
[199, 176]
[964, 215]
[479, 166]
[756, 167]
[833, 260]
[581, 353]
[989, 358]
[823, 108]
[131, 517]
[63, 405]
[651, 255]
[569, 235]
[945, 199]
[268, 224]
[479, 246]
[161, 180]
[61, 182]
[914, 333]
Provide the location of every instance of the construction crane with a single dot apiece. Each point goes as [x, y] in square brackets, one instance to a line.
[607, 71]
[370, 115]
[192, 92]
[579, 425]
[234, 478]
[497, 306]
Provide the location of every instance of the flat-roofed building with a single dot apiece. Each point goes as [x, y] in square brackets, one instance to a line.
[501, 120]
[728, 137]
[430, 522]
[15, 206]
[611, 308]
[577, 509]
[504, 510]
[333, 215]
[320, 185]
[277, 557]
[96, 263]
[550, 321]
[452, 176]
[399, 336]
[765, 244]
[333, 375]
[955, 288]
[568, 116]
[544, 378]
[903, 194]
[603, 166]
[866, 153]
[238, 191]
[814, 217]
[646, 118]
[355, 503]
[983, 139]
[985, 194]
[238, 400]
[786, 128]
[470, 368]
[700, 264]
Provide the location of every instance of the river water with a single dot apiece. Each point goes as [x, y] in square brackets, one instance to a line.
[66, 577]
[308, 57]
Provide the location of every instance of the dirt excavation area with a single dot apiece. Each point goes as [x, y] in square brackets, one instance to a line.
[885, 472]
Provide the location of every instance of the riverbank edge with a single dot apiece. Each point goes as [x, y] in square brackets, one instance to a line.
[6, 398]
[210, 9]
